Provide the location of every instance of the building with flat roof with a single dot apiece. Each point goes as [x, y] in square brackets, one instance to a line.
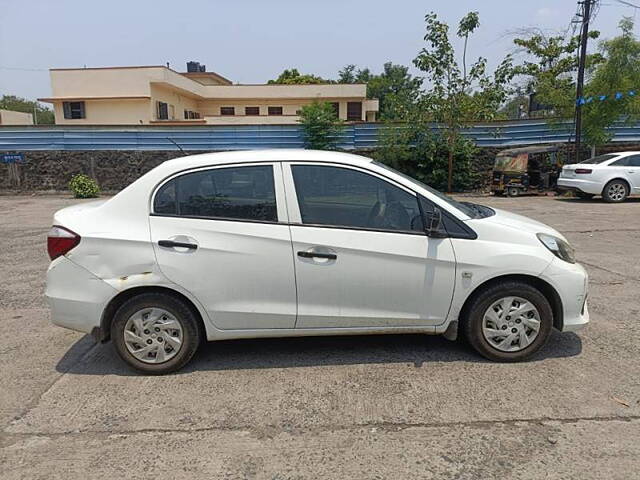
[158, 95]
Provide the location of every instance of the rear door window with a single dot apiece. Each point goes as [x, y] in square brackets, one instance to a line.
[623, 162]
[242, 193]
[633, 161]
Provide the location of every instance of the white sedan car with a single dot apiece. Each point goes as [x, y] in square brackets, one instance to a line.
[615, 176]
[282, 243]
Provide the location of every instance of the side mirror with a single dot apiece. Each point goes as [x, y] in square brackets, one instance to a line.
[433, 224]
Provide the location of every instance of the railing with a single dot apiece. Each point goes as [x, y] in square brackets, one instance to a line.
[358, 136]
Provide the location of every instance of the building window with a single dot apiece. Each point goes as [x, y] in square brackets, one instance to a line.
[227, 111]
[163, 111]
[73, 110]
[354, 111]
[252, 110]
[336, 108]
[275, 110]
[187, 114]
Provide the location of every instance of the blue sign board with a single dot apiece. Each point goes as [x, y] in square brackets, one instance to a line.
[13, 158]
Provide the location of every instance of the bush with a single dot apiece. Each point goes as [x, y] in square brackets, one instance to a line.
[421, 153]
[83, 186]
[320, 126]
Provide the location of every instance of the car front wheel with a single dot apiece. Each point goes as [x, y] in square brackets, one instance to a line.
[508, 322]
[615, 191]
[155, 333]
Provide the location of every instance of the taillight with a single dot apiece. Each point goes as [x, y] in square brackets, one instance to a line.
[60, 240]
[583, 170]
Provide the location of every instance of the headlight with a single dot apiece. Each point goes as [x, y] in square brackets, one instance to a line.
[558, 247]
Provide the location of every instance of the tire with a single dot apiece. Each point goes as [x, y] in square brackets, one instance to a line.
[584, 196]
[616, 191]
[163, 311]
[513, 191]
[473, 322]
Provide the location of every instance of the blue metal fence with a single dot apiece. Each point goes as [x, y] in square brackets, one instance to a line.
[210, 137]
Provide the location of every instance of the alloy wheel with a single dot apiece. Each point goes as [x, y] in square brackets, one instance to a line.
[511, 324]
[617, 192]
[153, 335]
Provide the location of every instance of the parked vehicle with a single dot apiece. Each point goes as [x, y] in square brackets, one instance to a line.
[283, 243]
[615, 176]
[526, 170]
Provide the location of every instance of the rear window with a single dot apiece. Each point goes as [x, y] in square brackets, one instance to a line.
[599, 159]
[244, 193]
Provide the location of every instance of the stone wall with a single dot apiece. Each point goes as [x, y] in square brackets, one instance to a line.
[52, 169]
[115, 169]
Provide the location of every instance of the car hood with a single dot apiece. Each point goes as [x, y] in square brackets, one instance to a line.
[520, 222]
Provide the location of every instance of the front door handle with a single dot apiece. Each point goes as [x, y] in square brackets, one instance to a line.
[307, 254]
[172, 244]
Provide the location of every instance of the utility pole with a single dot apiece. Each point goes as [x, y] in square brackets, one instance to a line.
[584, 34]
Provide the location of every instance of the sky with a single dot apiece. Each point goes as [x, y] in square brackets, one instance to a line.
[252, 41]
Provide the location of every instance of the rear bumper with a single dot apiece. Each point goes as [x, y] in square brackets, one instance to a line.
[76, 297]
[573, 184]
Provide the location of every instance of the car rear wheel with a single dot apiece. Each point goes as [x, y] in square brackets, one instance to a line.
[508, 322]
[155, 333]
[615, 191]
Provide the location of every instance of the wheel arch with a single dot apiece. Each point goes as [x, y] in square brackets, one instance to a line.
[544, 287]
[103, 333]
[622, 179]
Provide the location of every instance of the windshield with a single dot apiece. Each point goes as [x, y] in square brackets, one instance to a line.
[512, 163]
[470, 209]
[599, 159]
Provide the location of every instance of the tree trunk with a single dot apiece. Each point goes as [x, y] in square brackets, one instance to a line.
[450, 176]
[593, 151]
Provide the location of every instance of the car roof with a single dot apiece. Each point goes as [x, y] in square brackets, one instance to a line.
[133, 201]
[622, 154]
[271, 155]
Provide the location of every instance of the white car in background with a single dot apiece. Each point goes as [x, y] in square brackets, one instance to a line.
[281, 243]
[615, 176]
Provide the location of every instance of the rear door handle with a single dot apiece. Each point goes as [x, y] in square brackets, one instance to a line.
[328, 256]
[172, 244]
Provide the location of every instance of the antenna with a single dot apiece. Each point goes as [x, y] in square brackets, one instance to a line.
[179, 147]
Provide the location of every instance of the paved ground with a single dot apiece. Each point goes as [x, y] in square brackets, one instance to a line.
[353, 407]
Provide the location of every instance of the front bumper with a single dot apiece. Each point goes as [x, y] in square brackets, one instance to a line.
[571, 282]
[76, 297]
[579, 184]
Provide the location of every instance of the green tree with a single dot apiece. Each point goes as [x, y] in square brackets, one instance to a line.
[618, 73]
[397, 90]
[352, 74]
[457, 96]
[551, 68]
[395, 87]
[320, 125]
[42, 114]
[293, 76]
